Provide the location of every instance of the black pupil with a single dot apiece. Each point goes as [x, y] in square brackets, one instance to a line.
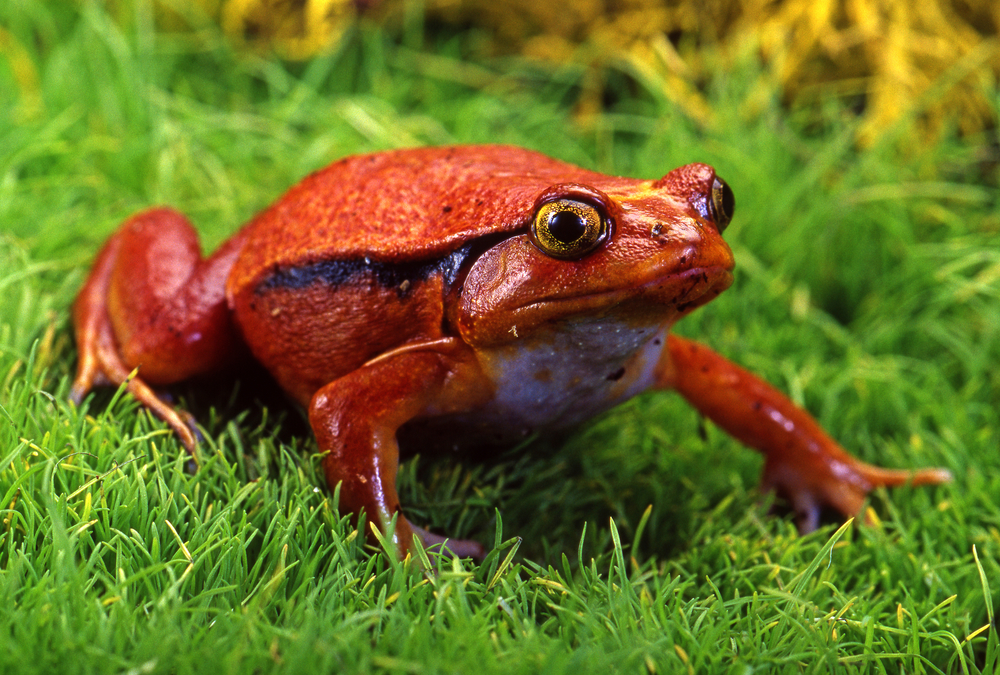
[728, 201]
[566, 226]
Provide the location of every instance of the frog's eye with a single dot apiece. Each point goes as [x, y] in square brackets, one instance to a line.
[722, 204]
[566, 228]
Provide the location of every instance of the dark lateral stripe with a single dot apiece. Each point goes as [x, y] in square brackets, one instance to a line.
[388, 275]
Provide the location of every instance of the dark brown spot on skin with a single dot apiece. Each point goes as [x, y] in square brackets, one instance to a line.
[757, 405]
[446, 209]
[617, 375]
[543, 375]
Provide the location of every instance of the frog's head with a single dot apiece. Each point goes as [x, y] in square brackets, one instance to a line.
[643, 252]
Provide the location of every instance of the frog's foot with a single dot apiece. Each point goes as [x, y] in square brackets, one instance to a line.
[459, 548]
[100, 364]
[842, 483]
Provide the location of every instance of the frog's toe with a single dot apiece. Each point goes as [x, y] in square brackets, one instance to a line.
[810, 494]
[811, 503]
[89, 374]
[807, 512]
[82, 385]
[459, 548]
[842, 486]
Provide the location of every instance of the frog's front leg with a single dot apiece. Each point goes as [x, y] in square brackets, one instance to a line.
[355, 419]
[152, 303]
[802, 462]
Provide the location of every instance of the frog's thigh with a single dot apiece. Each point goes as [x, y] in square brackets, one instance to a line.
[166, 305]
[355, 419]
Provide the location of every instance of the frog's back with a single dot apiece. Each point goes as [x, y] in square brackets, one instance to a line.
[402, 206]
[357, 258]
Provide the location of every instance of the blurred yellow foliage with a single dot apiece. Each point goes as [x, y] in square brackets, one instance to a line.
[297, 29]
[23, 70]
[935, 60]
[938, 60]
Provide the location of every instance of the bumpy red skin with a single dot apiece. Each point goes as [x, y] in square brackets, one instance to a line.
[356, 292]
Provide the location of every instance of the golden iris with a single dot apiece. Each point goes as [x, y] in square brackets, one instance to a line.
[568, 229]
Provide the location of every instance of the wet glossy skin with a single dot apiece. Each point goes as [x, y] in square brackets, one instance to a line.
[464, 296]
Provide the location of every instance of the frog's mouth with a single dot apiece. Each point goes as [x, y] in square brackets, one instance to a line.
[510, 298]
[670, 296]
[705, 284]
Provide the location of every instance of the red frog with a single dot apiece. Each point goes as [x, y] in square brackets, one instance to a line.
[463, 297]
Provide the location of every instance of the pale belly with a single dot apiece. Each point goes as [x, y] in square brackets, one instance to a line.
[547, 386]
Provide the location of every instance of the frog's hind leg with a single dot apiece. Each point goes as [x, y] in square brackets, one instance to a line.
[100, 364]
[151, 303]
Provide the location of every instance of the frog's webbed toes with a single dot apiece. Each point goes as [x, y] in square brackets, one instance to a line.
[838, 485]
[460, 548]
[87, 377]
[180, 421]
[101, 367]
[810, 496]
[807, 512]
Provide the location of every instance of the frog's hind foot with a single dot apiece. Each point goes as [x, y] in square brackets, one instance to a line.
[101, 365]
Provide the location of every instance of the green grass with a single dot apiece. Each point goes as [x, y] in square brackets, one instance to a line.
[867, 288]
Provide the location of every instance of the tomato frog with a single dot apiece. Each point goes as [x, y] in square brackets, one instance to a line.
[459, 297]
